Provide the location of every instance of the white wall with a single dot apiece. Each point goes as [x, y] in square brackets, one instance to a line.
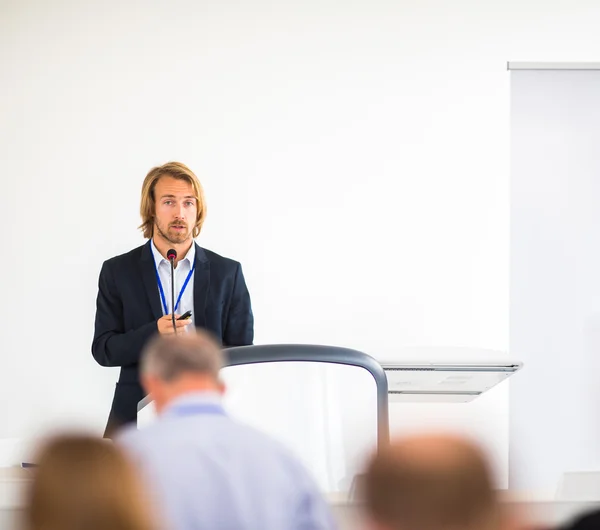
[354, 154]
[555, 288]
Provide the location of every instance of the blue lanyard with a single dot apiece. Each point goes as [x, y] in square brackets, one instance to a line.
[162, 292]
[193, 410]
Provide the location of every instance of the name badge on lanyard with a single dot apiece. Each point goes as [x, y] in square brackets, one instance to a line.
[162, 292]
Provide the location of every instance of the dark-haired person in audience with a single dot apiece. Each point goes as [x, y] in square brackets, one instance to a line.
[207, 470]
[587, 521]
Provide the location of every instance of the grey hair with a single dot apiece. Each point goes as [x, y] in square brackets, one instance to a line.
[170, 356]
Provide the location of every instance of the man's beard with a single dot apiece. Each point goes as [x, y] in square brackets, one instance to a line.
[175, 238]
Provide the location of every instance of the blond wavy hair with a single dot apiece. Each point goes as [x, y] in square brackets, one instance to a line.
[178, 171]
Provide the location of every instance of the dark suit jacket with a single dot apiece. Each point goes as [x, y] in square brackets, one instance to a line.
[128, 306]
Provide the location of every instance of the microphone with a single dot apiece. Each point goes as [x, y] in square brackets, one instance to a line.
[172, 256]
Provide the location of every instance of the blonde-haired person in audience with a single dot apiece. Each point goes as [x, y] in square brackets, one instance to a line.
[432, 482]
[85, 483]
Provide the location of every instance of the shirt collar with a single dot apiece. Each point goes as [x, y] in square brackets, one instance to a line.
[158, 258]
[194, 398]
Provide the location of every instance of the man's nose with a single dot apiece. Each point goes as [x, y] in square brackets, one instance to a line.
[180, 212]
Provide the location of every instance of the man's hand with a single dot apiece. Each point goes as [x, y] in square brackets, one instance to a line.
[165, 324]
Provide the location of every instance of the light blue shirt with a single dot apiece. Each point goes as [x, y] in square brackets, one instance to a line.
[210, 472]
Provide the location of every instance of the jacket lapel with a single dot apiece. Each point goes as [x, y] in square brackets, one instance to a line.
[148, 270]
[201, 286]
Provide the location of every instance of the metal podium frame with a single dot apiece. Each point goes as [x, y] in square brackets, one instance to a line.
[270, 353]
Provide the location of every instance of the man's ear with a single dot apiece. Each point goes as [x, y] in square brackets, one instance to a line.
[221, 387]
[148, 383]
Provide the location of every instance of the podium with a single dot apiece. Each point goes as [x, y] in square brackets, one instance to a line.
[329, 405]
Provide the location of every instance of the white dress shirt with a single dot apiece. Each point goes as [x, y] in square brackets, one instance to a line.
[182, 270]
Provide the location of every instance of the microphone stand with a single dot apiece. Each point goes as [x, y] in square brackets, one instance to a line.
[172, 260]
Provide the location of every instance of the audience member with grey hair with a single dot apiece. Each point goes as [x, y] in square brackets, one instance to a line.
[168, 358]
[205, 469]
